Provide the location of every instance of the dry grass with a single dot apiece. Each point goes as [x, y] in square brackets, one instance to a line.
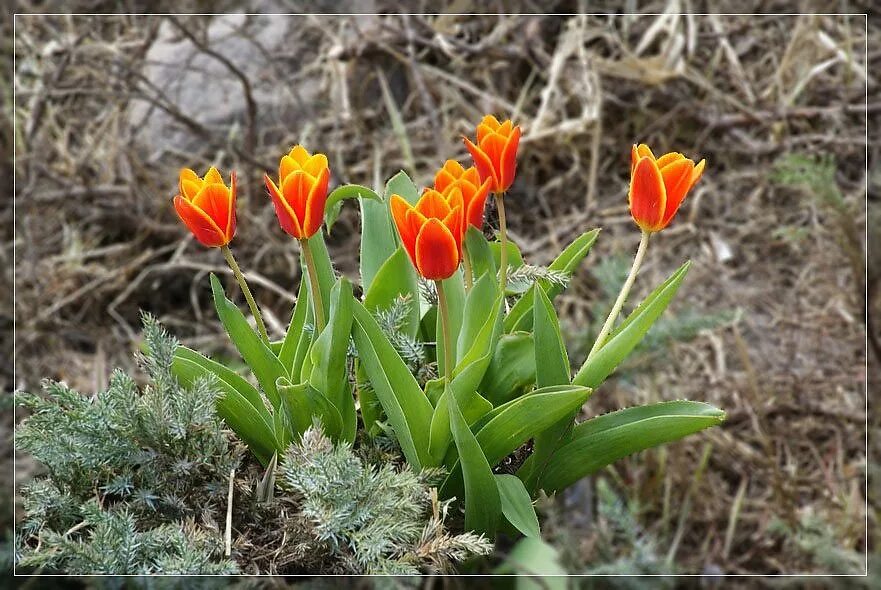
[109, 108]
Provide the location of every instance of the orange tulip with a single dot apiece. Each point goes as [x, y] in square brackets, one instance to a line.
[453, 176]
[659, 185]
[495, 153]
[299, 202]
[432, 231]
[207, 206]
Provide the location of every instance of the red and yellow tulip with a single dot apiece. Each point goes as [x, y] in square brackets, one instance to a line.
[495, 153]
[432, 231]
[453, 176]
[659, 185]
[207, 206]
[301, 193]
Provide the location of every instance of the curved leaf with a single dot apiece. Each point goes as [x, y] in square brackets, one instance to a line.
[600, 441]
[347, 191]
[396, 277]
[517, 505]
[301, 402]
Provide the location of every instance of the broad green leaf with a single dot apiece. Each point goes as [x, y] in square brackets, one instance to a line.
[551, 368]
[551, 359]
[371, 409]
[511, 370]
[288, 351]
[479, 252]
[478, 302]
[395, 278]
[482, 500]
[520, 315]
[600, 441]
[262, 362]
[471, 404]
[537, 565]
[515, 258]
[347, 191]
[378, 235]
[408, 410]
[454, 288]
[222, 372]
[507, 427]
[517, 505]
[302, 402]
[252, 423]
[595, 369]
[329, 357]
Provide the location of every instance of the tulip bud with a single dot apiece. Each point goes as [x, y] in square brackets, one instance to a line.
[301, 193]
[207, 206]
[659, 185]
[495, 153]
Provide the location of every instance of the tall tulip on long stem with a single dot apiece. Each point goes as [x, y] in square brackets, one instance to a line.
[299, 200]
[208, 209]
[495, 156]
[657, 188]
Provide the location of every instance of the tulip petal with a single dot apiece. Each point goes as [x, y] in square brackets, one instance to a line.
[286, 166]
[316, 201]
[433, 204]
[677, 180]
[476, 205]
[403, 218]
[455, 223]
[508, 159]
[214, 200]
[315, 164]
[295, 190]
[669, 158]
[647, 195]
[488, 125]
[482, 162]
[213, 176]
[299, 154]
[644, 151]
[189, 183]
[437, 256]
[231, 220]
[451, 171]
[287, 219]
[199, 223]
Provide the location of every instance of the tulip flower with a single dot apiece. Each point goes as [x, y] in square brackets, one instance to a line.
[299, 200]
[454, 177]
[495, 156]
[659, 185]
[657, 188]
[432, 233]
[207, 206]
[301, 193]
[208, 209]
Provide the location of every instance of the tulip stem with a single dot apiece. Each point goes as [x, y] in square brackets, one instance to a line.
[622, 296]
[466, 268]
[503, 240]
[314, 288]
[240, 278]
[444, 312]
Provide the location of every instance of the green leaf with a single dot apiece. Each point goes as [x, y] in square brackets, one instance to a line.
[479, 300]
[471, 404]
[600, 441]
[517, 505]
[551, 359]
[595, 369]
[479, 252]
[537, 565]
[329, 357]
[507, 427]
[551, 368]
[301, 402]
[347, 191]
[288, 351]
[454, 288]
[408, 410]
[222, 372]
[482, 500]
[515, 258]
[520, 316]
[323, 266]
[262, 362]
[396, 277]
[252, 423]
[511, 370]
[378, 235]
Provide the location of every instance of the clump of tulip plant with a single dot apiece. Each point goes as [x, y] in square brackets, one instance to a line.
[503, 379]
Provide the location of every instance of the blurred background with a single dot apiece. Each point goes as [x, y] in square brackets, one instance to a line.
[770, 324]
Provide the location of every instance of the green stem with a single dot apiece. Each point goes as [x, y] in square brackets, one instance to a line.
[622, 296]
[503, 239]
[444, 312]
[314, 288]
[240, 278]
[466, 268]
